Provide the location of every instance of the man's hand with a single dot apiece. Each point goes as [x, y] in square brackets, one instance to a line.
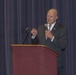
[48, 34]
[34, 32]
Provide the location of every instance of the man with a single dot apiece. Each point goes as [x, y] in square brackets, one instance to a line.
[52, 34]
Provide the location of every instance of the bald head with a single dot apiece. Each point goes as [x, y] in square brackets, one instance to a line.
[53, 11]
[52, 16]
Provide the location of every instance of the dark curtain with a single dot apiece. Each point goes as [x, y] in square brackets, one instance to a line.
[17, 15]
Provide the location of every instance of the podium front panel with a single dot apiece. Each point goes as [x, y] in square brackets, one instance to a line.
[33, 60]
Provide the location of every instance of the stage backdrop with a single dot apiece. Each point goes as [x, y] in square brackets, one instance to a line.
[17, 15]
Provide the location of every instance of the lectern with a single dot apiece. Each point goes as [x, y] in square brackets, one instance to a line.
[34, 60]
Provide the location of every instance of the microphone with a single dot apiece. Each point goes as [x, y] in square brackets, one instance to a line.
[47, 26]
[27, 30]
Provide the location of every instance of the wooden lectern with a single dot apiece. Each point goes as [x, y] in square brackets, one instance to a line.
[34, 60]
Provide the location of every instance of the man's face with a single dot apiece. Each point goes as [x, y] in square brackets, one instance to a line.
[51, 16]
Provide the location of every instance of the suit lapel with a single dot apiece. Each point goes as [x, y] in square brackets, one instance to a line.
[54, 28]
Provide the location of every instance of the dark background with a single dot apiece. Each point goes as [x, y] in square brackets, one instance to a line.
[17, 15]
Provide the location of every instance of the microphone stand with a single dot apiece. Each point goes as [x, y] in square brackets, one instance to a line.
[26, 35]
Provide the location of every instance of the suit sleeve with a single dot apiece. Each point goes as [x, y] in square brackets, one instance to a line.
[61, 39]
[35, 40]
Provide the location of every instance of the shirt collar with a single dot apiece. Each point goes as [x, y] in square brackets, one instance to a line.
[53, 24]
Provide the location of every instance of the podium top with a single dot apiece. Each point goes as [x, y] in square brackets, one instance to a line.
[38, 45]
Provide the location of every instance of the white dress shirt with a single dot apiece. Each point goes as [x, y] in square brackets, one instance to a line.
[50, 27]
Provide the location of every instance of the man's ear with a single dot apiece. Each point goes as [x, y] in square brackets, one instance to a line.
[56, 17]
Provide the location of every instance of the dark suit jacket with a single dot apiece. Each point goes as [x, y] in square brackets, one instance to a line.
[59, 42]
